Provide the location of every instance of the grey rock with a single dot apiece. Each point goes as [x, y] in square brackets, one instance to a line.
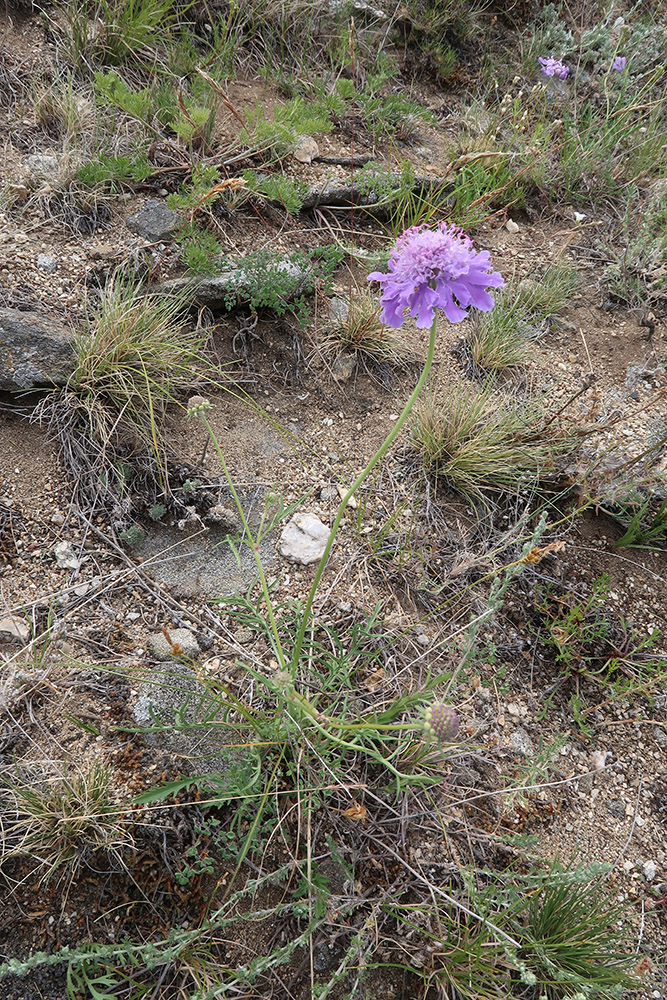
[42, 165]
[66, 557]
[565, 325]
[234, 285]
[35, 351]
[616, 808]
[303, 539]
[226, 518]
[326, 956]
[344, 366]
[13, 630]
[206, 564]
[183, 643]
[650, 870]
[521, 743]
[176, 699]
[338, 309]
[47, 263]
[333, 193]
[329, 494]
[155, 222]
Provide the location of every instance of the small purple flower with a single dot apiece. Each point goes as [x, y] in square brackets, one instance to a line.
[441, 722]
[619, 63]
[554, 67]
[433, 269]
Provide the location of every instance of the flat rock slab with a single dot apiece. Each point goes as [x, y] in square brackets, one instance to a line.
[183, 713]
[177, 642]
[234, 285]
[35, 351]
[366, 193]
[195, 562]
[303, 539]
[155, 222]
[13, 629]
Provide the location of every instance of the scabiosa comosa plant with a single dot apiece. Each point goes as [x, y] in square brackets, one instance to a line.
[432, 269]
[554, 67]
[441, 722]
[429, 269]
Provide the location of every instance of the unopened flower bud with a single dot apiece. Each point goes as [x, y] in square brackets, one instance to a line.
[441, 722]
[198, 405]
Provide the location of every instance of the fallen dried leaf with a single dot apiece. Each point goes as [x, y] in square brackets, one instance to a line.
[539, 552]
[356, 812]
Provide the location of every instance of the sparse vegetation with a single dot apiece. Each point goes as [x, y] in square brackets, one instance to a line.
[357, 328]
[358, 782]
[501, 339]
[63, 821]
[135, 357]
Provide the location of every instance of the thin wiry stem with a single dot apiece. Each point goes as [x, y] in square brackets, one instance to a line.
[377, 457]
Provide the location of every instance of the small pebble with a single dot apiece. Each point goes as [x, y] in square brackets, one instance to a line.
[47, 263]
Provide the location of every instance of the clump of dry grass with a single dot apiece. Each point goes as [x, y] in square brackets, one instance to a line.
[500, 339]
[549, 294]
[475, 443]
[358, 329]
[63, 820]
[63, 110]
[134, 357]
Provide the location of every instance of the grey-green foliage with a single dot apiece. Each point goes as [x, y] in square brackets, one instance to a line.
[637, 273]
[551, 36]
[643, 42]
[267, 281]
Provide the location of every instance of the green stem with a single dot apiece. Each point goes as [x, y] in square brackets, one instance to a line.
[377, 457]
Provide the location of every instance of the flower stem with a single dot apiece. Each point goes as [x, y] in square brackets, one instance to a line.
[377, 457]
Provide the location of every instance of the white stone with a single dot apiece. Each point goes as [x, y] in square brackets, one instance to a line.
[306, 149]
[65, 557]
[174, 642]
[13, 629]
[303, 539]
[650, 870]
[511, 226]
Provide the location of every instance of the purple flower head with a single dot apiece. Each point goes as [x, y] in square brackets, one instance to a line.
[441, 722]
[619, 63]
[554, 67]
[433, 269]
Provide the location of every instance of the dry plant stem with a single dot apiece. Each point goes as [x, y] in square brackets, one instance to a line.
[377, 457]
